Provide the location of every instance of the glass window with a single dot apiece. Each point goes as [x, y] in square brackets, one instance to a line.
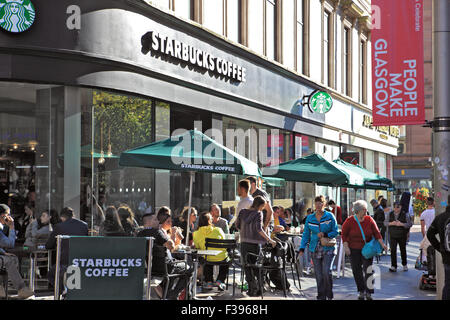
[326, 48]
[300, 25]
[213, 15]
[270, 29]
[347, 63]
[288, 33]
[362, 71]
[233, 25]
[183, 8]
[256, 26]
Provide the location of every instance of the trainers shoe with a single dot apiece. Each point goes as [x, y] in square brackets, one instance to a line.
[2, 292]
[308, 271]
[393, 269]
[25, 293]
[361, 296]
[405, 268]
[220, 285]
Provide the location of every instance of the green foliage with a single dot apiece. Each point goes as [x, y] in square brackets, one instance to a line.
[122, 121]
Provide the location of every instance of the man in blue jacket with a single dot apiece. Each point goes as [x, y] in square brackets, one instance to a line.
[9, 261]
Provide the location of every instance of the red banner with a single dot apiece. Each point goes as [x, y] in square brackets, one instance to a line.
[397, 62]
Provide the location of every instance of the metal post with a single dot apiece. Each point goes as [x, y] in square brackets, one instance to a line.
[441, 121]
[149, 267]
[191, 180]
[58, 267]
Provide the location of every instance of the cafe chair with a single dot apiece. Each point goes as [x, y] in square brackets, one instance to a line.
[160, 252]
[291, 258]
[4, 275]
[39, 260]
[268, 261]
[230, 245]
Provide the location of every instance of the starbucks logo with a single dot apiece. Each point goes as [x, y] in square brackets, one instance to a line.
[16, 15]
[320, 102]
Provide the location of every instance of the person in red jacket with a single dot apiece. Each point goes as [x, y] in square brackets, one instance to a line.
[354, 242]
[336, 210]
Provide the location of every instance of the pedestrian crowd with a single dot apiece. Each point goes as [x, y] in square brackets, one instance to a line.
[257, 224]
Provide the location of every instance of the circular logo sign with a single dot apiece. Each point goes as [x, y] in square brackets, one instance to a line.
[320, 102]
[16, 15]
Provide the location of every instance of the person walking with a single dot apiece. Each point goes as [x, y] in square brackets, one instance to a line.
[252, 234]
[319, 226]
[246, 200]
[399, 224]
[441, 226]
[426, 218]
[379, 217]
[354, 243]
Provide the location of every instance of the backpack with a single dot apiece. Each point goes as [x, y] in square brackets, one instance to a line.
[447, 235]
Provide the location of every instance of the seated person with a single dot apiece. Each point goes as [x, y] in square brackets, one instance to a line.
[70, 227]
[9, 261]
[38, 231]
[205, 230]
[279, 223]
[167, 238]
[181, 222]
[112, 226]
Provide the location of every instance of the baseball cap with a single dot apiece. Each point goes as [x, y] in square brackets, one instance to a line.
[4, 208]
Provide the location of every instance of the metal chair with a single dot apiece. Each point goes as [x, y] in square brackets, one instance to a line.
[160, 253]
[263, 264]
[230, 245]
[291, 258]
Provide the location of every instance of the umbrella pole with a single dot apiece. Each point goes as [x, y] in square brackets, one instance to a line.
[191, 180]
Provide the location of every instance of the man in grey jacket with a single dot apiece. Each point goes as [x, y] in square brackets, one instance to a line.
[8, 261]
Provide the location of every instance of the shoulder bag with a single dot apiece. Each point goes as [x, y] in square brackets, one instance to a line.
[327, 242]
[371, 249]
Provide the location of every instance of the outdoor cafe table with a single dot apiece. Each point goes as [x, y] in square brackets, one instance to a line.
[32, 252]
[195, 253]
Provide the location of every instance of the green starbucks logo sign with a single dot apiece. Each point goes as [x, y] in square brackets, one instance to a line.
[16, 15]
[320, 102]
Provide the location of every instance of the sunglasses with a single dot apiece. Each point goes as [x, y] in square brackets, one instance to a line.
[397, 207]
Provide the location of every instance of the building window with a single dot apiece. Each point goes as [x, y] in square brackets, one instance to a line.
[162, 3]
[326, 48]
[300, 35]
[363, 71]
[183, 8]
[347, 61]
[255, 25]
[289, 33]
[213, 13]
[270, 29]
[233, 21]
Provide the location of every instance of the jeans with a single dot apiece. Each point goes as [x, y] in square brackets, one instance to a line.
[209, 273]
[359, 269]
[402, 244]
[251, 274]
[11, 264]
[324, 277]
[446, 290]
[306, 258]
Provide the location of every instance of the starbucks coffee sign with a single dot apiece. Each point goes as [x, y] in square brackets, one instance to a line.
[16, 15]
[320, 102]
[160, 44]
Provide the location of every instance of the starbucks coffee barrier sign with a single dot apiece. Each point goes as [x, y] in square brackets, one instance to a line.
[106, 268]
[319, 102]
[16, 15]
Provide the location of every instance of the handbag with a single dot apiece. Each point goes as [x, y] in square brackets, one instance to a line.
[327, 242]
[371, 249]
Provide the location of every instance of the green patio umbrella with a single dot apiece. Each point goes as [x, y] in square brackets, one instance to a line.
[368, 179]
[273, 182]
[192, 151]
[312, 168]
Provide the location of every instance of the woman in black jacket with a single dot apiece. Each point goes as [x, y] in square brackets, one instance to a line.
[399, 224]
